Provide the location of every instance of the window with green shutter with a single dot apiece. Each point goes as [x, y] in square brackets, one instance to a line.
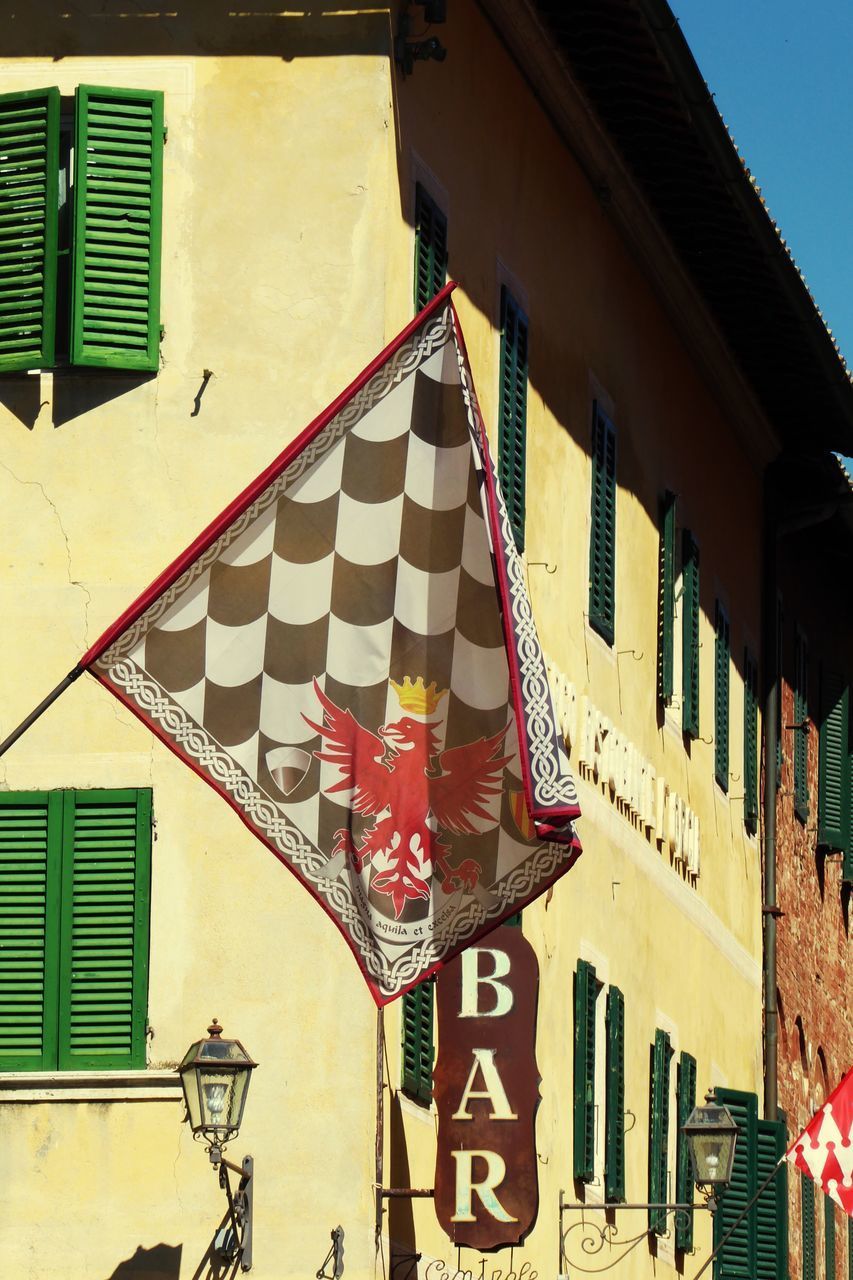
[418, 1042]
[757, 1248]
[614, 1142]
[800, 730]
[807, 1215]
[722, 663]
[659, 1129]
[829, 1237]
[690, 635]
[430, 248]
[512, 421]
[586, 993]
[834, 762]
[666, 598]
[602, 540]
[750, 742]
[110, 247]
[75, 870]
[685, 1092]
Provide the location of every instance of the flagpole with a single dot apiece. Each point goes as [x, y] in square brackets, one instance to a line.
[40, 709]
[739, 1219]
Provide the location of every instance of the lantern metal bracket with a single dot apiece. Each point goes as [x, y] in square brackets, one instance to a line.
[234, 1240]
[592, 1237]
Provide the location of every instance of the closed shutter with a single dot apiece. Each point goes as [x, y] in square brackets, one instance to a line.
[512, 425]
[750, 742]
[666, 598]
[829, 1237]
[771, 1207]
[801, 737]
[602, 542]
[807, 1207]
[690, 635]
[686, 1094]
[118, 186]
[30, 871]
[614, 1148]
[29, 214]
[834, 763]
[736, 1258]
[721, 697]
[430, 248]
[586, 990]
[105, 913]
[659, 1129]
[417, 1049]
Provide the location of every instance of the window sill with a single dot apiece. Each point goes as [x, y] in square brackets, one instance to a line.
[89, 1086]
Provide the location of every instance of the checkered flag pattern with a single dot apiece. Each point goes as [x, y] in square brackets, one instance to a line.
[334, 661]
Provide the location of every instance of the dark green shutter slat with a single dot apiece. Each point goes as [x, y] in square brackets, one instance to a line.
[30, 868]
[690, 635]
[512, 419]
[105, 914]
[750, 742]
[807, 1211]
[834, 763]
[586, 989]
[29, 219]
[829, 1237]
[118, 177]
[614, 1148]
[417, 1041]
[602, 541]
[771, 1209]
[666, 598]
[686, 1094]
[430, 248]
[721, 697]
[659, 1129]
[736, 1259]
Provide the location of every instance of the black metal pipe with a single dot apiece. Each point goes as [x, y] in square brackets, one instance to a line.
[40, 709]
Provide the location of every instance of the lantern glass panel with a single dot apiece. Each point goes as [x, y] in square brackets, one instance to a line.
[223, 1096]
[711, 1134]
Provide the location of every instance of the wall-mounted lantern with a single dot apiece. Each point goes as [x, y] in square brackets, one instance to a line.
[711, 1134]
[215, 1076]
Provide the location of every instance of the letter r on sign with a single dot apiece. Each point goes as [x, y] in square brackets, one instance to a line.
[485, 1188]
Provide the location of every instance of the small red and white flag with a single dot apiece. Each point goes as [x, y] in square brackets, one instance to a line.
[824, 1150]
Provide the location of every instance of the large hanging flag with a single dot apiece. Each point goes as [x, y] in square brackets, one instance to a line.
[824, 1150]
[348, 656]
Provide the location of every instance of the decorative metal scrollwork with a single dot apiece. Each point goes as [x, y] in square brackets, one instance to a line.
[590, 1237]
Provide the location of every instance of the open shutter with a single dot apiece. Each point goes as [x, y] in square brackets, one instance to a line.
[750, 742]
[602, 541]
[417, 1048]
[666, 598]
[512, 424]
[808, 1226]
[430, 248]
[586, 990]
[659, 1129]
[29, 216]
[118, 187]
[834, 763]
[30, 865]
[829, 1237]
[614, 1149]
[685, 1090]
[771, 1208]
[690, 636]
[721, 698]
[105, 914]
[736, 1258]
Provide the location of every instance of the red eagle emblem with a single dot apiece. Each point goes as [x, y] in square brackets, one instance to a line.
[414, 792]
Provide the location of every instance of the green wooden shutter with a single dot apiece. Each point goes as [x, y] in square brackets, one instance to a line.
[105, 917]
[586, 990]
[807, 1207]
[750, 742]
[736, 1258]
[30, 873]
[430, 248]
[659, 1129]
[834, 763]
[614, 1147]
[417, 1049]
[690, 635]
[685, 1089]
[512, 423]
[829, 1236]
[666, 598]
[29, 215]
[722, 656]
[118, 189]
[801, 737]
[602, 541]
[771, 1208]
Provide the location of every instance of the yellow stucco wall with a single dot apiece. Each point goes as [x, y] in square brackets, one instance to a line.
[287, 264]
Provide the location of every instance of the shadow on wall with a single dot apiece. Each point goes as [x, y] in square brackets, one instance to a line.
[162, 1262]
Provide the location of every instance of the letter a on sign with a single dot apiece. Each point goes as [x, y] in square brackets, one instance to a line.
[486, 1089]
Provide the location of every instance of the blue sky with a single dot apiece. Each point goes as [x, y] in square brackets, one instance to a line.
[780, 72]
